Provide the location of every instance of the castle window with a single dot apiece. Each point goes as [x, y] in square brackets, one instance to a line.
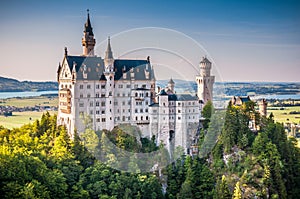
[97, 95]
[141, 110]
[136, 94]
[128, 86]
[102, 95]
[70, 86]
[97, 86]
[81, 95]
[179, 111]
[103, 86]
[88, 86]
[103, 119]
[128, 110]
[120, 86]
[81, 104]
[110, 118]
[179, 118]
[141, 117]
[97, 112]
[123, 103]
[147, 102]
[91, 104]
[146, 110]
[147, 94]
[147, 117]
[88, 95]
[136, 110]
[144, 86]
[103, 112]
[91, 112]
[123, 118]
[109, 110]
[136, 118]
[98, 119]
[115, 103]
[102, 103]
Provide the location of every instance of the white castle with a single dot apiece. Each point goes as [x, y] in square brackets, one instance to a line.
[122, 91]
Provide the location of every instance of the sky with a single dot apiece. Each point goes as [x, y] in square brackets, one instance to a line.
[249, 40]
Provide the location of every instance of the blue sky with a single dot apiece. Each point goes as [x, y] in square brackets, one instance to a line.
[257, 40]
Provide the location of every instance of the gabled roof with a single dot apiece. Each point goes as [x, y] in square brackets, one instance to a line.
[172, 97]
[138, 67]
[94, 68]
[186, 97]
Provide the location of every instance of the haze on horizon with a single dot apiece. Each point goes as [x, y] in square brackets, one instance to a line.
[257, 40]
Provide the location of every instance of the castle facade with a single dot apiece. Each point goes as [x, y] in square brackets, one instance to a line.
[114, 91]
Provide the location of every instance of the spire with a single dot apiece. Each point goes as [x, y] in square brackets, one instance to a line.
[87, 26]
[108, 52]
[171, 81]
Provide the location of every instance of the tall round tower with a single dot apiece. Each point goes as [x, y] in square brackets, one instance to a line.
[205, 81]
[262, 106]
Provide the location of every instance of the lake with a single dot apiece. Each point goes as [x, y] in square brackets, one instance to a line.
[5, 95]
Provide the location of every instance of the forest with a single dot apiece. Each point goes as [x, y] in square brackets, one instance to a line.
[39, 160]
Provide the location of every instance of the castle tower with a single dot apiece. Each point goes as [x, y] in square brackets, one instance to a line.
[262, 106]
[109, 75]
[88, 40]
[171, 85]
[205, 81]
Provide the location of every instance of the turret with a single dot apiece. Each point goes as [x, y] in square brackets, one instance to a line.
[205, 81]
[88, 40]
[109, 59]
[262, 105]
[171, 85]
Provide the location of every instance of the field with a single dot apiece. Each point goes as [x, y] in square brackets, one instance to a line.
[284, 116]
[29, 101]
[20, 118]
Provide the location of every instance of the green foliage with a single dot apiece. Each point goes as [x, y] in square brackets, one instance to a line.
[207, 112]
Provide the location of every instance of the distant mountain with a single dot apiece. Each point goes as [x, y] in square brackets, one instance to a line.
[13, 85]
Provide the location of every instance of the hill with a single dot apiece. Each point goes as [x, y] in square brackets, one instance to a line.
[13, 85]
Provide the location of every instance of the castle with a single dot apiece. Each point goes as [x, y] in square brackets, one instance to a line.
[122, 91]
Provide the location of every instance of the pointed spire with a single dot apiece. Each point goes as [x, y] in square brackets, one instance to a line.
[87, 26]
[108, 52]
[66, 51]
[171, 81]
